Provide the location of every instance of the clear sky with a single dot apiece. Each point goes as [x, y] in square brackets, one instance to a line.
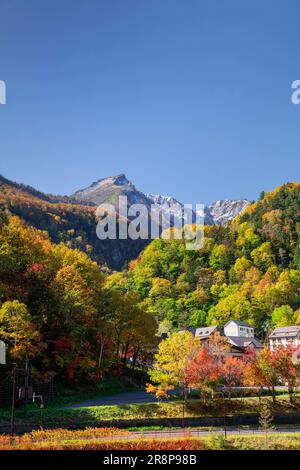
[189, 98]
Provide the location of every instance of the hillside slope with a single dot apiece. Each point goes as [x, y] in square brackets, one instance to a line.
[66, 220]
[249, 270]
[72, 219]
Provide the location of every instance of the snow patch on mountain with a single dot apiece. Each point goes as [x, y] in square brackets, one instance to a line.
[108, 189]
[223, 211]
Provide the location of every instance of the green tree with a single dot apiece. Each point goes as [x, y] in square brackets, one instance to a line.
[283, 316]
[219, 258]
[262, 256]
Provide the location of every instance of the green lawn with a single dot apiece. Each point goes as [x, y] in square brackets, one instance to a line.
[108, 386]
[56, 415]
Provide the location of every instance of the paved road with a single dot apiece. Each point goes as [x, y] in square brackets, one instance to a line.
[125, 398]
[197, 432]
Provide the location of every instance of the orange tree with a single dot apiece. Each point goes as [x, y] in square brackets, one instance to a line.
[204, 371]
[288, 367]
[262, 370]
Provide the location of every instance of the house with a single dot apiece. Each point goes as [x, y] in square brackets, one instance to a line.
[239, 334]
[204, 332]
[285, 335]
[241, 337]
[238, 345]
[237, 328]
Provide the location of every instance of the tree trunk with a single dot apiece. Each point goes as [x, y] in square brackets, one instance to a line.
[134, 358]
[273, 393]
[184, 403]
[100, 358]
[291, 390]
[125, 351]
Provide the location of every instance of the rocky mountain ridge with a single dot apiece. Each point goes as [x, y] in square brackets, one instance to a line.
[108, 189]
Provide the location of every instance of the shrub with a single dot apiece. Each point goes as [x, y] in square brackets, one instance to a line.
[216, 441]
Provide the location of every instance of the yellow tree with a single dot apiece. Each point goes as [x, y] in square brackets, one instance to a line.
[172, 363]
[17, 329]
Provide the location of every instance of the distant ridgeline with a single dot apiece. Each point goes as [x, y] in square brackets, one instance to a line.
[67, 220]
[72, 219]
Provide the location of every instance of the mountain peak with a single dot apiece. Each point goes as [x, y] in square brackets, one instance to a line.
[119, 180]
[106, 190]
[109, 189]
[224, 210]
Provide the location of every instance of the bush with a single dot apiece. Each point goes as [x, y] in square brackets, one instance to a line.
[216, 441]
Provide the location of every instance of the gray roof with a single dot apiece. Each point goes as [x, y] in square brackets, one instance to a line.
[205, 331]
[244, 342]
[202, 332]
[285, 332]
[240, 323]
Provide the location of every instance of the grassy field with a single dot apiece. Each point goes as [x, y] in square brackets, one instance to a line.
[115, 439]
[57, 415]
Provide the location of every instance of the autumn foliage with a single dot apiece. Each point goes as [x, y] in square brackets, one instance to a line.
[57, 308]
[197, 365]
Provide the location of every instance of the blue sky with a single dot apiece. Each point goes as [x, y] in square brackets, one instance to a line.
[188, 98]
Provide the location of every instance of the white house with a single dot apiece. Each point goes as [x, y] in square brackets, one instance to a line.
[238, 328]
[239, 334]
[2, 353]
[285, 335]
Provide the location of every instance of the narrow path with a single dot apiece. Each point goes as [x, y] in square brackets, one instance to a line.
[125, 398]
[198, 432]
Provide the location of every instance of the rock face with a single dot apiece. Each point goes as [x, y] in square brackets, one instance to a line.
[108, 189]
[223, 211]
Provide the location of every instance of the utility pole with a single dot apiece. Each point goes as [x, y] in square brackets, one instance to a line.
[12, 421]
[26, 384]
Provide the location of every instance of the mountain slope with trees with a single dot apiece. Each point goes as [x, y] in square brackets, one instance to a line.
[249, 270]
[66, 220]
[56, 308]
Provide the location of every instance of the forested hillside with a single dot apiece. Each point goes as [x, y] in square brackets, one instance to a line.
[77, 321]
[66, 220]
[55, 307]
[249, 270]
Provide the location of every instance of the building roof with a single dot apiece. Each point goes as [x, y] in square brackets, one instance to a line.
[203, 332]
[285, 332]
[240, 323]
[244, 342]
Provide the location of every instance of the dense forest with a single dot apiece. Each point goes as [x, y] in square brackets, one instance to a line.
[56, 307]
[78, 321]
[249, 270]
[66, 220]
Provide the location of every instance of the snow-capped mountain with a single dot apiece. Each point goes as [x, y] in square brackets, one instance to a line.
[169, 205]
[224, 211]
[108, 189]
